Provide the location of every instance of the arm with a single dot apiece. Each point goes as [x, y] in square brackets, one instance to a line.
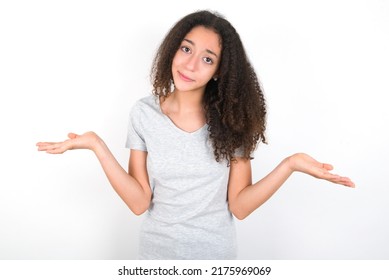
[132, 187]
[244, 197]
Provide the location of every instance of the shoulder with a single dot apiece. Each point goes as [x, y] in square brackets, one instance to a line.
[146, 103]
[148, 100]
[146, 110]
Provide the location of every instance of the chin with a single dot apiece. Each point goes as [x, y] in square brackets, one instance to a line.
[186, 87]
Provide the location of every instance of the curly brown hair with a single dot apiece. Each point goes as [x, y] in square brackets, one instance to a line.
[234, 104]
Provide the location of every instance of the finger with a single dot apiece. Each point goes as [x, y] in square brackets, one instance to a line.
[322, 172]
[44, 146]
[55, 151]
[57, 148]
[327, 166]
[52, 147]
[330, 177]
[345, 181]
[72, 135]
[45, 143]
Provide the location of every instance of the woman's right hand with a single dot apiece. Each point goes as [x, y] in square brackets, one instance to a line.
[306, 164]
[88, 140]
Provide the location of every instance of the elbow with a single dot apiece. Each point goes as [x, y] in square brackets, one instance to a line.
[140, 209]
[238, 212]
[240, 216]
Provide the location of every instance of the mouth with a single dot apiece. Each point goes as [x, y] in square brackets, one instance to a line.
[184, 78]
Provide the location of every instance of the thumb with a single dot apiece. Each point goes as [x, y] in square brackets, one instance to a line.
[72, 135]
[328, 166]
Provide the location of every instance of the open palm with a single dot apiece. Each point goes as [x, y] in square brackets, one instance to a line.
[75, 141]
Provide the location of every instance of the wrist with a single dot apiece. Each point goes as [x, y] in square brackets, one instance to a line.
[97, 144]
[291, 162]
[101, 150]
[94, 142]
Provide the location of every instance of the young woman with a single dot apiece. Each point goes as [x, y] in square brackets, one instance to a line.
[191, 142]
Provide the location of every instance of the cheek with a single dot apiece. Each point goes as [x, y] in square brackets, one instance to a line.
[177, 59]
[207, 73]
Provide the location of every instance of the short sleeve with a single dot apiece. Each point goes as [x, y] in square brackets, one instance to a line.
[135, 139]
[239, 152]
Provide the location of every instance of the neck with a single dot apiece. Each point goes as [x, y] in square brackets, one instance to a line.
[186, 101]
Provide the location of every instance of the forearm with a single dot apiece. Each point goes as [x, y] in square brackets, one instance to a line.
[253, 196]
[126, 186]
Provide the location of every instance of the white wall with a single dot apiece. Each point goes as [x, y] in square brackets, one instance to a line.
[80, 65]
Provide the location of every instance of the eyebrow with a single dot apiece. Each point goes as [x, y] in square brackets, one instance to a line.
[207, 50]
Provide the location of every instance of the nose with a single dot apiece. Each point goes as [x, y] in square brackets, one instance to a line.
[191, 62]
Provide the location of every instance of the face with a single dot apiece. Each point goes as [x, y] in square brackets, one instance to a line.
[196, 60]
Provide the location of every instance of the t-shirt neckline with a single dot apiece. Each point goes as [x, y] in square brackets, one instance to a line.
[172, 124]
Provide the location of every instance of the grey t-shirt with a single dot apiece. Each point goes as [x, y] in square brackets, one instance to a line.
[188, 217]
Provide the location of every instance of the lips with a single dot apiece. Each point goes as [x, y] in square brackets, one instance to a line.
[185, 78]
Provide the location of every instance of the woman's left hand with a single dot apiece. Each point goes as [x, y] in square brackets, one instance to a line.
[306, 164]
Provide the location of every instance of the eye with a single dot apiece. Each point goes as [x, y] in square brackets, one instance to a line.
[208, 60]
[185, 49]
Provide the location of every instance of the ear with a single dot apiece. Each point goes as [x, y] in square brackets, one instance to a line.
[216, 75]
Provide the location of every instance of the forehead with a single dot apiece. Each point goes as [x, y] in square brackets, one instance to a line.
[205, 38]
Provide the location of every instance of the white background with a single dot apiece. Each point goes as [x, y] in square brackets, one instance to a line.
[80, 65]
